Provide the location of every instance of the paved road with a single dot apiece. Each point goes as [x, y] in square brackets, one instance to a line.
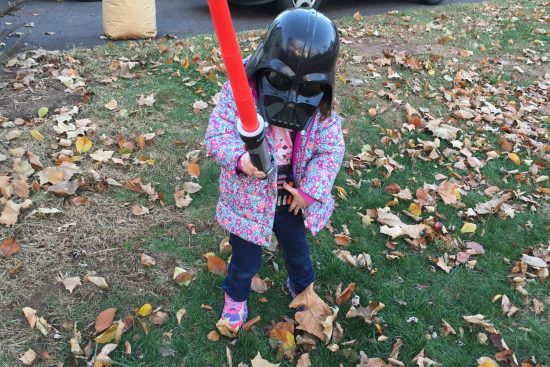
[78, 24]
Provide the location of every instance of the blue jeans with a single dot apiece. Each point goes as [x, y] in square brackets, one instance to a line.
[247, 257]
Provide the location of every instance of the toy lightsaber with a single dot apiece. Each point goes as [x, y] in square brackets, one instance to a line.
[251, 126]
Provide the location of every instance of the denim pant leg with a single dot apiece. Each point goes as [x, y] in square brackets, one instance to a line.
[291, 234]
[245, 262]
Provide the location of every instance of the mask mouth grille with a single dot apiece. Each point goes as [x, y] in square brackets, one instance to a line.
[288, 108]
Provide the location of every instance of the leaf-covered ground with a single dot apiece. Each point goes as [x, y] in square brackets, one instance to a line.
[437, 253]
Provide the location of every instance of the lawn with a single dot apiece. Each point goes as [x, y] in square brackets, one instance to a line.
[444, 188]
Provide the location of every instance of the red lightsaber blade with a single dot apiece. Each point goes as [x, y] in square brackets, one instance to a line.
[251, 125]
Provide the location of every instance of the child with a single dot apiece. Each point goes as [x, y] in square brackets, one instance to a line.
[292, 78]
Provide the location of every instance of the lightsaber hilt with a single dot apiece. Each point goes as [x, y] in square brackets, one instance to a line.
[257, 148]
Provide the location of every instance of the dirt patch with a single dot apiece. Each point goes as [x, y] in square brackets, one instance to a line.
[378, 46]
[81, 240]
[22, 93]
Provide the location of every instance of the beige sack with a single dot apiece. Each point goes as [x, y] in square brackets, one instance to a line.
[125, 19]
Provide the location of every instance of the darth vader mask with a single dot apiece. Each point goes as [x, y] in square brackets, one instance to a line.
[294, 68]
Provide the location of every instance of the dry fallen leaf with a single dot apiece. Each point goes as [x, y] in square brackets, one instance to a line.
[193, 169]
[146, 101]
[486, 362]
[508, 309]
[104, 319]
[342, 239]
[345, 295]
[159, 317]
[43, 326]
[83, 144]
[213, 336]
[111, 105]
[514, 158]
[315, 311]
[247, 325]
[182, 198]
[225, 329]
[179, 315]
[28, 357]
[139, 210]
[102, 156]
[147, 260]
[258, 284]
[258, 361]
[71, 283]
[225, 246]
[216, 265]
[468, 228]
[538, 306]
[30, 315]
[182, 276]
[447, 329]
[9, 246]
[282, 335]
[11, 212]
[448, 192]
[366, 313]
[99, 281]
[145, 310]
[108, 335]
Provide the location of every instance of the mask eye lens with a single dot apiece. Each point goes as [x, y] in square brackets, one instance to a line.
[309, 89]
[278, 80]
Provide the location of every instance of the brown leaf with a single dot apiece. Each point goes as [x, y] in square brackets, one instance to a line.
[342, 239]
[283, 333]
[508, 308]
[259, 285]
[448, 192]
[28, 357]
[182, 277]
[159, 317]
[247, 325]
[179, 315]
[447, 329]
[315, 312]
[105, 319]
[225, 246]
[78, 201]
[258, 361]
[304, 361]
[147, 260]
[71, 283]
[193, 169]
[213, 336]
[366, 313]
[392, 188]
[64, 188]
[182, 199]
[139, 210]
[9, 246]
[216, 265]
[30, 315]
[345, 295]
[11, 212]
[538, 306]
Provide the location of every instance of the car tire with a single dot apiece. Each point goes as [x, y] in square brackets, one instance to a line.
[289, 4]
[432, 2]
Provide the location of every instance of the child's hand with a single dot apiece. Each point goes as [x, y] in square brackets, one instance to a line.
[249, 168]
[298, 201]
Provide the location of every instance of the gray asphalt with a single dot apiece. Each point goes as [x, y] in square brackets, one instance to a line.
[79, 24]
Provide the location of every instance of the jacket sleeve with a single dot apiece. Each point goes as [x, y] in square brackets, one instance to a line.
[321, 170]
[222, 139]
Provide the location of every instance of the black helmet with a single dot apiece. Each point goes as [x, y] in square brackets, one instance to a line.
[294, 67]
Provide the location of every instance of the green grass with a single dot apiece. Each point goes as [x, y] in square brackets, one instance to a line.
[411, 286]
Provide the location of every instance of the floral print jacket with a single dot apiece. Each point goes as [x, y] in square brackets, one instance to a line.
[246, 206]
